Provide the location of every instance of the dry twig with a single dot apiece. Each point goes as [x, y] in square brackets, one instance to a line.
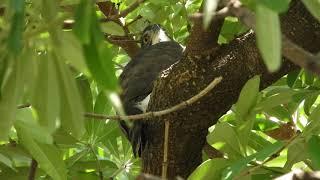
[146, 115]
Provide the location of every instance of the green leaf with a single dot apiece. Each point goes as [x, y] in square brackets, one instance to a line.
[112, 28]
[10, 94]
[102, 105]
[247, 98]
[239, 165]
[296, 152]
[83, 22]
[313, 6]
[293, 77]
[71, 50]
[85, 92]
[276, 5]
[99, 58]
[101, 128]
[268, 34]
[17, 26]
[48, 156]
[257, 142]
[76, 157]
[308, 78]
[279, 112]
[6, 161]
[46, 97]
[64, 139]
[276, 99]
[309, 101]
[314, 126]
[209, 11]
[225, 139]
[244, 132]
[313, 150]
[210, 169]
[26, 122]
[71, 107]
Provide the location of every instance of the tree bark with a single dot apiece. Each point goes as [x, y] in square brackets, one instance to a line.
[236, 62]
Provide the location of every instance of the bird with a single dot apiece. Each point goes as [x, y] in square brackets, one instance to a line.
[158, 52]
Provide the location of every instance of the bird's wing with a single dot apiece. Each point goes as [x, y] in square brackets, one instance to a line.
[137, 81]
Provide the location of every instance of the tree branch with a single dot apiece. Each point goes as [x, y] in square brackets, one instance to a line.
[293, 52]
[146, 115]
[109, 10]
[125, 12]
[33, 169]
[201, 41]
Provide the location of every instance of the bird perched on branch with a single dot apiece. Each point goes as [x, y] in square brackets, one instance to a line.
[158, 52]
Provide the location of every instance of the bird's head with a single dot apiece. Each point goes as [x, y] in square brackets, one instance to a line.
[153, 34]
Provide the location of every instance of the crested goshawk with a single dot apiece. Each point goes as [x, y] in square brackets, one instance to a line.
[158, 52]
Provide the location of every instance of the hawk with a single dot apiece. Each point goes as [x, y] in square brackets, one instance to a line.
[158, 52]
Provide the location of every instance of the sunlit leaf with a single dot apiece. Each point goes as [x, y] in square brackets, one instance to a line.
[71, 107]
[46, 97]
[248, 97]
[26, 122]
[10, 94]
[309, 101]
[76, 157]
[224, 138]
[238, 166]
[268, 34]
[277, 99]
[313, 6]
[314, 126]
[210, 169]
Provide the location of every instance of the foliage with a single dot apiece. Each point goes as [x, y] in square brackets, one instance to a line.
[64, 73]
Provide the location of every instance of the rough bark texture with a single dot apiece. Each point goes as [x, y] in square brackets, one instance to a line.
[236, 62]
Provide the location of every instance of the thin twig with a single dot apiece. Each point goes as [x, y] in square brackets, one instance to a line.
[134, 20]
[120, 66]
[33, 169]
[177, 107]
[222, 13]
[125, 12]
[165, 150]
[211, 151]
[24, 106]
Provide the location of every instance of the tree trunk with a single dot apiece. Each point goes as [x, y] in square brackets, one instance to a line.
[236, 62]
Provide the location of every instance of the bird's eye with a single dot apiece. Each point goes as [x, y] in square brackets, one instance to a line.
[145, 39]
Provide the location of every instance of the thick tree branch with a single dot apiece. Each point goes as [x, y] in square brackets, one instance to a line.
[293, 52]
[236, 62]
[203, 41]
